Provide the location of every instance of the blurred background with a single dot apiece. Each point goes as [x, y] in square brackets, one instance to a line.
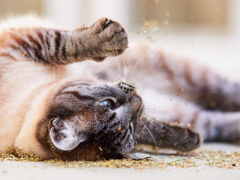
[207, 31]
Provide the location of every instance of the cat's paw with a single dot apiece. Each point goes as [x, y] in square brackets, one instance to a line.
[109, 38]
[112, 35]
[180, 138]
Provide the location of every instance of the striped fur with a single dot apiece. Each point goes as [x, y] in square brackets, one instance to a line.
[32, 74]
[57, 47]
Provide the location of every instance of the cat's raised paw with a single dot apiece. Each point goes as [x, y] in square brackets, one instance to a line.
[110, 36]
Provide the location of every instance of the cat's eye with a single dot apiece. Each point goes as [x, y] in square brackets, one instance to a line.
[109, 103]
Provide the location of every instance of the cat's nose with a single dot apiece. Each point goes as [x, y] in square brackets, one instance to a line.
[127, 88]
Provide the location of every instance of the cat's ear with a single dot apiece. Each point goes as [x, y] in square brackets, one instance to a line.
[65, 135]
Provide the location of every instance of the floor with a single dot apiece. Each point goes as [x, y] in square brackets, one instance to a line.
[203, 171]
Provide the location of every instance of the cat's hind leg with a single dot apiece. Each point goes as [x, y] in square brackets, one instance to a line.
[174, 75]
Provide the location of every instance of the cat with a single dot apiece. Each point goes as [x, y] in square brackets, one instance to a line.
[50, 111]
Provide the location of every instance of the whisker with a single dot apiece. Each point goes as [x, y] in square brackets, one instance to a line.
[138, 80]
[128, 74]
[125, 69]
[129, 78]
[136, 85]
[115, 70]
[157, 122]
[112, 64]
[155, 145]
[118, 61]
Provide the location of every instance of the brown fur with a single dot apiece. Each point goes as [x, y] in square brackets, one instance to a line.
[27, 87]
[38, 92]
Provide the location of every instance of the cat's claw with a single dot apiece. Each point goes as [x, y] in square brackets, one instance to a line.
[107, 21]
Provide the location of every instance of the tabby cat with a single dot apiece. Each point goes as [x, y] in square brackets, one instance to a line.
[50, 110]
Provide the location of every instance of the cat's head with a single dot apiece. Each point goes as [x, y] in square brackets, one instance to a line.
[90, 120]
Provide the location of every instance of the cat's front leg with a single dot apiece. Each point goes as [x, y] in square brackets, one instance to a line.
[104, 38]
[162, 135]
[58, 47]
